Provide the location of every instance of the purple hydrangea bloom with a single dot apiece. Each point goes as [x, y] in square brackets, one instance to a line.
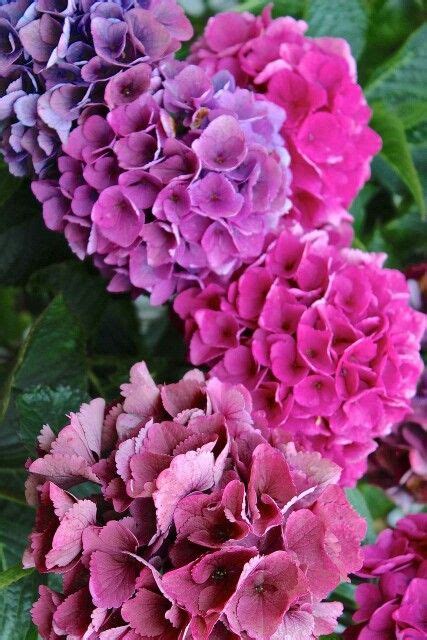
[57, 58]
[187, 180]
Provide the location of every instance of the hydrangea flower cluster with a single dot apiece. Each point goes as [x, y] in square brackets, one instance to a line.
[56, 57]
[394, 605]
[202, 527]
[399, 465]
[186, 181]
[322, 337]
[314, 80]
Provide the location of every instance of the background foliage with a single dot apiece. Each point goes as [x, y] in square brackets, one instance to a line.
[63, 338]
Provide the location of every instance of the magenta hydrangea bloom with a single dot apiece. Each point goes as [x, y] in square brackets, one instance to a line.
[394, 603]
[57, 57]
[399, 465]
[188, 180]
[203, 526]
[314, 80]
[323, 338]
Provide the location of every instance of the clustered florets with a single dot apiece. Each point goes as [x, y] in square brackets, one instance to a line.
[203, 526]
[185, 181]
[323, 338]
[393, 603]
[56, 59]
[314, 80]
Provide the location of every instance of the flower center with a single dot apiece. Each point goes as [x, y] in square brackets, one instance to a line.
[219, 574]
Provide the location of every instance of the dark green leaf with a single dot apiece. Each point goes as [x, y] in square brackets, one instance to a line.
[341, 18]
[25, 243]
[396, 151]
[12, 575]
[345, 594]
[54, 352]
[16, 522]
[358, 502]
[402, 81]
[406, 240]
[8, 183]
[15, 605]
[358, 208]
[379, 504]
[84, 291]
[12, 484]
[13, 321]
[294, 8]
[44, 405]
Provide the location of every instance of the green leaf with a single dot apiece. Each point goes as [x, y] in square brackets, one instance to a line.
[54, 352]
[25, 243]
[44, 405]
[345, 594]
[15, 605]
[358, 209]
[83, 289]
[16, 522]
[52, 358]
[8, 183]
[396, 151]
[357, 500]
[402, 81]
[12, 575]
[13, 321]
[341, 18]
[379, 504]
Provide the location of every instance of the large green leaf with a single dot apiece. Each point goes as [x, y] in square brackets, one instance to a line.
[51, 369]
[379, 504]
[44, 405]
[402, 82]
[16, 522]
[8, 183]
[15, 605]
[84, 290]
[54, 352]
[341, 18]
[396, 151]
[357, 500]
[13, 574]
[25, 243]
[345, 594]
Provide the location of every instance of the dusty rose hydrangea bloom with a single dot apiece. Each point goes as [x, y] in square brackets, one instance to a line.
[203, 526]
[323, 338]
[186, 181]
[393, 604]
[314, 80]
[56, 58]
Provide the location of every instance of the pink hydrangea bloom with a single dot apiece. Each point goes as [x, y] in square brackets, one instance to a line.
[394, 605]
[203, 526]
[324, 339]
[314, 80]
[185, 181]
